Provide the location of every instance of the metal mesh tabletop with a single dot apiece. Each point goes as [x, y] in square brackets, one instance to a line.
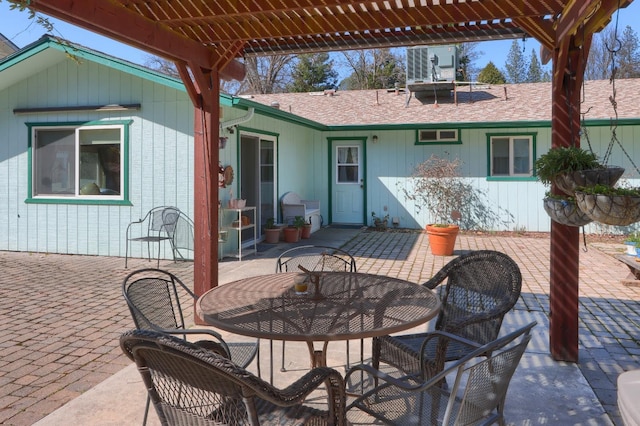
[345, 306]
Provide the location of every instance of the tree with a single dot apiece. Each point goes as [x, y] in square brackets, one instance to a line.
[468, 55]
[516, 65]
[535, 72]
[601, 54]
[628, 57]
[267, 74]
[313, 72]
[491, 74]
[169, 68]
[373, 69]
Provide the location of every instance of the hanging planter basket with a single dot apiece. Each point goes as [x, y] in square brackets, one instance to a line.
[568, 182]
[618, 210]
[565, 212]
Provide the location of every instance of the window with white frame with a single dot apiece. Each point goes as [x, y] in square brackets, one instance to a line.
[78, 161]
[511, 155]
[435, 136]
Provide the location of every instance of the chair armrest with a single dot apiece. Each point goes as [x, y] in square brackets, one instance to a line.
[184, 332]
[296, 392]
[311, 204]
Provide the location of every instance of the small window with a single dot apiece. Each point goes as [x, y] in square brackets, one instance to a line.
[77, 162]
[511, 155]
[435, 136]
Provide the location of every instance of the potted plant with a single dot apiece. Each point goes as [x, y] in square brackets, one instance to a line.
[306, 229]
[271, 232]
[571, 167]
[564, 210]
[291, 234]
[438, 187]
[380, 223]
[298, 223]
[632, 242]
[609, 205]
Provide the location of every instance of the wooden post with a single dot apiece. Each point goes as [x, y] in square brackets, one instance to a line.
[205, 188]
[568, 74]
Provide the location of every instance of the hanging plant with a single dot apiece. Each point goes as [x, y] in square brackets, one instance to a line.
[571, 167]
[564, 210]
[611, 206]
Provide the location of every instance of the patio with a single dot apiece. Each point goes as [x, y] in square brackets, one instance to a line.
[63, 316]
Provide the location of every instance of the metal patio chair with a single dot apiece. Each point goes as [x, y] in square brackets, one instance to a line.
[182, 237]
[189, 385]
[478, 289]
[476, 395]
[152, 296]
[315, 258]
[152, 228]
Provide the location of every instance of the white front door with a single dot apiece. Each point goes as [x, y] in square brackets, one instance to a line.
[348, 182]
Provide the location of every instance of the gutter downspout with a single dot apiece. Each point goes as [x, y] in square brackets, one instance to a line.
[234, 122]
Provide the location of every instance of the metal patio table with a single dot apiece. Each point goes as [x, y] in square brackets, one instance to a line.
[337, 306]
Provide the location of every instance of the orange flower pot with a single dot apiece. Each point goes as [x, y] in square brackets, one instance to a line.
[442, 239]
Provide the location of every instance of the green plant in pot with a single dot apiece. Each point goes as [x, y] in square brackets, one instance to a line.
[564, 210]
[632, 242]
[380, 223]
[616, 206]
[271, 232]
[571, 167]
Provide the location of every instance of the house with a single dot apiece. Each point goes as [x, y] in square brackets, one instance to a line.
[90, 142]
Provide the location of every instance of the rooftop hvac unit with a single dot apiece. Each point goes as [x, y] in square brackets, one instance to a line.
[429, 64]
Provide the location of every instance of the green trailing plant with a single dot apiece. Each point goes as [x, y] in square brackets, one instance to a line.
[609, 190]
[437, 186]
[564, 160]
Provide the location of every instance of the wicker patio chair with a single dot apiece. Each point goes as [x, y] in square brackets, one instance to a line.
[476, 395]
[480, 288]
[152, 228]
[190, 385]
[152, 298]
[315, 258]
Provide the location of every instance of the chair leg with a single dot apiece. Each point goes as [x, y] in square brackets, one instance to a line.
[282, 366]
[146, 410]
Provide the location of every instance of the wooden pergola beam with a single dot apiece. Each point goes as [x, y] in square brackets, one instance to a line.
[121, 24]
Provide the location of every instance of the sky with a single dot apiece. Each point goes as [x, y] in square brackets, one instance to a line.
[17, 27]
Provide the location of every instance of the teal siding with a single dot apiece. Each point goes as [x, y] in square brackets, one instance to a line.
[160, 154]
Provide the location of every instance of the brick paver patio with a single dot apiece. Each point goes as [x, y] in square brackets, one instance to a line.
[62, 315]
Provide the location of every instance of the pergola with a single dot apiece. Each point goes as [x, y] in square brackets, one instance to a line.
[206, 38]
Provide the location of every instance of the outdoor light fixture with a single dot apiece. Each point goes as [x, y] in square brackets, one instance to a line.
[374, 138]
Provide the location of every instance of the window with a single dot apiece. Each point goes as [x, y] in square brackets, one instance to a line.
[511, 155]
[435, 136]
[83, 162]
[348, 164]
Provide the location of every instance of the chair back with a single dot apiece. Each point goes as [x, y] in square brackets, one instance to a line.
[481, 287]
[181, 232]
[315, 258]
[161, 219]
[152, 297]
[476, 395]
[483, 385]
[188, 384]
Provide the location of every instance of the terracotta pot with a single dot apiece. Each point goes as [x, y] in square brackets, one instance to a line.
[306, 231]
[442, 239]
[272, 235]
[291, 235]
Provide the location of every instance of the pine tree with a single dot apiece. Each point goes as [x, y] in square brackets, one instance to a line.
[516, 65]
[628, 56]
[534, 73]
[491, 74]
[313, 72]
